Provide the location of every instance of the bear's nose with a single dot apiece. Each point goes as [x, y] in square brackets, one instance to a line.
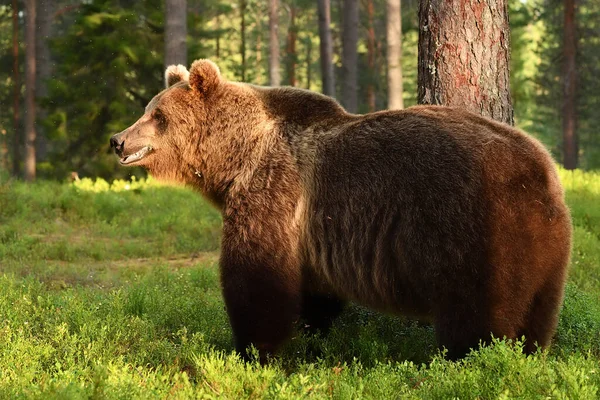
[116, 144]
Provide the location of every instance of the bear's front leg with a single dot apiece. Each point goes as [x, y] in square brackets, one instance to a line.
[262, 290]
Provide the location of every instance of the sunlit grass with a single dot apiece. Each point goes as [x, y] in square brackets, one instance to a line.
[112, 291]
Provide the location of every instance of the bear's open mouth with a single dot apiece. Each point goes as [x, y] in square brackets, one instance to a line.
[138, 155]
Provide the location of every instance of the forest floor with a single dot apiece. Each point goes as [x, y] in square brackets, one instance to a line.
[112, 291]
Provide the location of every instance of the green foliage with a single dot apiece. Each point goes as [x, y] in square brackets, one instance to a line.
[117, 69]
[112, 291]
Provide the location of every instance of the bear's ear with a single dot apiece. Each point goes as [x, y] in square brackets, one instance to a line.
[204, 76]
[174, 74]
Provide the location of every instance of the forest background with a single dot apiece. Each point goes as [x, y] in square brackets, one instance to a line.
[99, 62]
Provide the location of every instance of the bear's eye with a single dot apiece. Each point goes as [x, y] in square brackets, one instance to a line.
[161, 120]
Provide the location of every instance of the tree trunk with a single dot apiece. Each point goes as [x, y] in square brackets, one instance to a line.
[291, 47]
[243, 5]
[45, 14]
[350, 56]
[394, 55]
[218, 38]
[258, 45]
[30, 76]
[326, 47]
[16, 169]
[175, 32]
[570, 144]
[464, 56]
[371, 55]
[308, 61]
[274, 68]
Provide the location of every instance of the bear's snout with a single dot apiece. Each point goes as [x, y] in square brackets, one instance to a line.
[117, 144]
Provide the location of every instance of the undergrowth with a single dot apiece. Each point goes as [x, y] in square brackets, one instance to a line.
[112, 291]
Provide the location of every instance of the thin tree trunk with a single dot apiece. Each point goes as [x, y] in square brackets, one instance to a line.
[394, 55]
[30, 78]
[44, 68]
[16, 169]
[243, 5]
[291, 47]
[3, 151]
[570, 144]
[371, 55]
[218, 38]
[350, 56]
[175, 32]
[308, 61]
[326, 47]
[258, 48]
[274, 68]
[464, 56]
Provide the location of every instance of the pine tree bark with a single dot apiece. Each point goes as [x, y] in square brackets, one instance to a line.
[291, 47]
[326, 47]
[16, 157]
[30, 81]
[371, 55]
[464, 56]
[570, 145]
[274, 67]
[175, 32]
[394, 55]
[350, 55]
[45, 12]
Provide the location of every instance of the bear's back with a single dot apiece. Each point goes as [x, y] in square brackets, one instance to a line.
[399, 201]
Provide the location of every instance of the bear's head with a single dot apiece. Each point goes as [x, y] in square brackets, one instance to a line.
[190, 131]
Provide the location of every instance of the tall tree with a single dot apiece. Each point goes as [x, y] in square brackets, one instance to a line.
[292, 56]
[243, 6]
[274, 72]
[394, 55]
[30, 81]
[350, 55]
[175, 32]
[461, 63]
[308, 45]
[371, 55]
[45, 11]
[326, 47]
[16, 157]
[570, 88]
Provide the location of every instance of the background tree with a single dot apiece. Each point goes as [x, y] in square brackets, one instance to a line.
[350, 55]
[394, 55]
[30, 81]
[243, 5]
[45, 16]
[175, 32]
[326, 48]
[460, 63]
[371, 44]
[291, 54]
[107, 60]
[570, 88]
[274, 73]
[16, 148]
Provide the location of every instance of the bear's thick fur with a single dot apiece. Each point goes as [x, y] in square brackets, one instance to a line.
[431, 211]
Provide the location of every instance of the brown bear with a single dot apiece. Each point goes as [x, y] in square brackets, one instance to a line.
[432, 212]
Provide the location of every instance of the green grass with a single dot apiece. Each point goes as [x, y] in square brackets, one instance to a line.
[113, 292]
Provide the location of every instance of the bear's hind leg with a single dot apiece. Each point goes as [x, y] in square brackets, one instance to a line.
[319, 311]
[542, 318]
[461, 326]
